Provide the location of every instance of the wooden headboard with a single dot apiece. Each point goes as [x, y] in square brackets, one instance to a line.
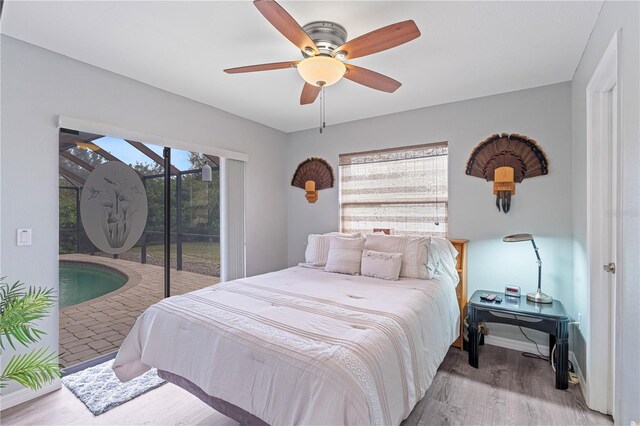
[461, 290]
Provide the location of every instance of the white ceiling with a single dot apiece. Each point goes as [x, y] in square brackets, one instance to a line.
[467, 50]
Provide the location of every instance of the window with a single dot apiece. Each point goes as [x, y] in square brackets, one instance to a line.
[402, 189]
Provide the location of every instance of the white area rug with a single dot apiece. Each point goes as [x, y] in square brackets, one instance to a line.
[100, 390]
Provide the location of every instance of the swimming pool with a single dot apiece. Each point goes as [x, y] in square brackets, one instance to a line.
[82, 281]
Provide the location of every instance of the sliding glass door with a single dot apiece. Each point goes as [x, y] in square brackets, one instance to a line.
[195, 221]
[138, 222]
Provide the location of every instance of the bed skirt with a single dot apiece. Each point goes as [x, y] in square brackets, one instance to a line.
[223, 407]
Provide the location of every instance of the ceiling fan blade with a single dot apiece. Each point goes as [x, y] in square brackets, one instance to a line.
[279, 18]
[262, 67]
[371, 79]
[309, 94]
[381, 39]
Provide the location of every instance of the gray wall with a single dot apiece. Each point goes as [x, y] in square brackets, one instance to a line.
[613, 16]
[542, 205]
[38, 85]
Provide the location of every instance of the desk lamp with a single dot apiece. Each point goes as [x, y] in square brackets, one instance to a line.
[538, 296]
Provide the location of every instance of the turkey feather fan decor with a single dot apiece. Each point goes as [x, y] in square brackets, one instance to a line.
[506, 159]
[312, 175]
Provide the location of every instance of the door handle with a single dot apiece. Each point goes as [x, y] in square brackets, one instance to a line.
[610, 267]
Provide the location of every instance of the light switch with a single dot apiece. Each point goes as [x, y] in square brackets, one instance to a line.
[24, 237]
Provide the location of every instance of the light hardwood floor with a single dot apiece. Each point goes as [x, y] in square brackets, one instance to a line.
[507, 389]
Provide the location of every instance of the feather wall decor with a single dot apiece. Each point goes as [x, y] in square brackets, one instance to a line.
[507, 159]
[312, 175]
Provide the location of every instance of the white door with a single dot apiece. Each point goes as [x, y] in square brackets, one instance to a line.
[603, 161]
[610, 180]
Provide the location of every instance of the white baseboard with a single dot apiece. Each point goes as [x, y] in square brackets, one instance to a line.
[583, 383]
[24, 395]
[517, 345]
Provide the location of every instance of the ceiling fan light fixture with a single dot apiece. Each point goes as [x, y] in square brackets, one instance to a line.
[321, 70]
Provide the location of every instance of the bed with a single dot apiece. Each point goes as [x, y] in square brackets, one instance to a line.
[301, 346]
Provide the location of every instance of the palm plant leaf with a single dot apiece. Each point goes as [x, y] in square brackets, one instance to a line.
[9, 292]
[19, 310]
[31, 370]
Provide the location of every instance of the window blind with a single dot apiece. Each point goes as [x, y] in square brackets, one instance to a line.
[403, 189]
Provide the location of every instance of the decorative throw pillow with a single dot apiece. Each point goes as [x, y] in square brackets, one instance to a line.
[382, 265]
[413, 249]
[317, 249]
[345, 255]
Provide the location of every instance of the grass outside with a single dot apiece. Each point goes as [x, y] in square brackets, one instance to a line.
[198, 257]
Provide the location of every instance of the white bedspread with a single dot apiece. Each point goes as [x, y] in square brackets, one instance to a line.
[302, 346]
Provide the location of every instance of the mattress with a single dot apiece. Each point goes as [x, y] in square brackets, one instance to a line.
[302, 346]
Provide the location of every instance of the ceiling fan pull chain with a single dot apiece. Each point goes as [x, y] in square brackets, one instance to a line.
[322, 123]
[324, 108]
[321, 112]
[437, 221]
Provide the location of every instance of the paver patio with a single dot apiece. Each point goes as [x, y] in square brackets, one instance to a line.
[98, 326]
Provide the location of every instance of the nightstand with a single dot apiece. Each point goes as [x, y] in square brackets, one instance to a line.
[549, 318]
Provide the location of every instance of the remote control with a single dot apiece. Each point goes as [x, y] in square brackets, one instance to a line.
[498, 299]
[491, 297]
[484, 296]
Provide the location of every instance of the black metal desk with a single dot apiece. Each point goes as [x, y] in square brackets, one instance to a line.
[549, 318]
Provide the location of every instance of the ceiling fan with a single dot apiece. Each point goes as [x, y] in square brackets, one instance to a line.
[325, 49]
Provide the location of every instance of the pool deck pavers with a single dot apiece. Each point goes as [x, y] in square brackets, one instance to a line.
[98, 326]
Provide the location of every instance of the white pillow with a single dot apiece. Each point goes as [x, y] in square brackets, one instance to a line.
[317, 245]
[442, 259]
[385, 243]
[345, 255]
[413, 249]
[344, 234]
[317, 249]
[433, 259]
[382, 265]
